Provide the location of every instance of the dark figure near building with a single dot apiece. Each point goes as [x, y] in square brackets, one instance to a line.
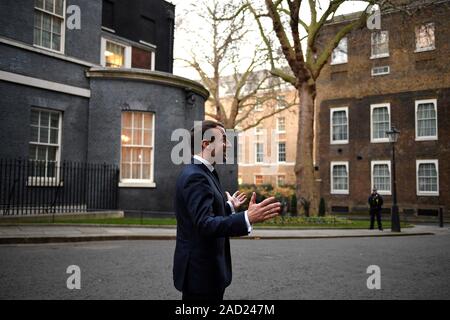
[375, 203]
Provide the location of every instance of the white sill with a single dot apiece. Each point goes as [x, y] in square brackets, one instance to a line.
[380, 141]
[426, 138]
[434, 194]
[384, 193]
[337, 142]
[108, 29]
[337, 63]
[425, 49]
[380, 74]
[137, 185]
[380, 56]
[340, 192]
[61, 52]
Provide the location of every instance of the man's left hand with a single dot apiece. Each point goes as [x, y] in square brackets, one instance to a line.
[237, 199]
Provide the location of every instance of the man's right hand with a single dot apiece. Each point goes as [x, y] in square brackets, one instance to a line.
[266, 209]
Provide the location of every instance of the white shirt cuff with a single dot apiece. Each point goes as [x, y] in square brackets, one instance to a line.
[249, 226]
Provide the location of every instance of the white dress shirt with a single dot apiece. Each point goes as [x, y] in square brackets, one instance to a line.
[211, 168]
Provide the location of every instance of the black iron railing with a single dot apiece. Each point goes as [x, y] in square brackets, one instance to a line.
[29, 187]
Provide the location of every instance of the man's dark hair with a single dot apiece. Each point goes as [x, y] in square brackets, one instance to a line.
[206, 125]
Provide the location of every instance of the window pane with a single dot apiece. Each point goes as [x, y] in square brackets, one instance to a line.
[381, 177]
[339, 54]
[340, 179]
[47, 22]
[136, 171]
[126, 154]
[148, 137]
[56, 25]
[126, 136]
[425, 36]
[59, 7]
[147, 152]
[34, 134]
[426, 120]
[114, 55]
[380, 118]
[39, 4]
[126, 120]
[427, 177]
[41, 153]
[46, 39]
[54, 120]
[146, 171]
[125, 171]
[148, 120]
[43, 135]
[51, 154]
[54, 136]
[339, 125]
[56, 42]
[137, 124]
[380, 43]
[49, 5]
[137, 137]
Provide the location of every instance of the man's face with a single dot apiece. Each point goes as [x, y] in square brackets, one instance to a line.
[218, 146]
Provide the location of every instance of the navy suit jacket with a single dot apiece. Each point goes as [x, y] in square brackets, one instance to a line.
[202, 260]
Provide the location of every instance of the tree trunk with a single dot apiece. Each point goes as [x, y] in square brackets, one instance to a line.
[304, 165]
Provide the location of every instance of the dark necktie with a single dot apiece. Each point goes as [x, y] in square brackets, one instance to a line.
[216, 175]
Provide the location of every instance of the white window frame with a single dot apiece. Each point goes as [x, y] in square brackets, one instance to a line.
[332, 62]
[256, 152]
[372, 107]
[50, 181]
[427, 193]
[425, 138]
[332, 110]
[372, 165]
[278, 127]
[336, 163]
[259, 106]
[141, 183]
[381, 55]
[127, 52]
[431, 48]
[381, 73]
[278, 152]
[63, 28]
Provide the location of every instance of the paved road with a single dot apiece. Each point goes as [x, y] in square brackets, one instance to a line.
[411, 268]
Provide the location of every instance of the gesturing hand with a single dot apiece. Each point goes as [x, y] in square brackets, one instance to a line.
[266, 209]
[237, 199]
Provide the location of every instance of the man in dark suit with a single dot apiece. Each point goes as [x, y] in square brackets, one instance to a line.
[206, 219]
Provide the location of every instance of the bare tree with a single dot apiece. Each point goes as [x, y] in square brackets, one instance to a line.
[235, 78]
[306, 56]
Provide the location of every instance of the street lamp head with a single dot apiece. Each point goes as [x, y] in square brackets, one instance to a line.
[393, 134]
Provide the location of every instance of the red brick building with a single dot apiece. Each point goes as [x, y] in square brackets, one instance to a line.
[397, 76]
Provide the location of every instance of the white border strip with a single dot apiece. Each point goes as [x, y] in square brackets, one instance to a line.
[44, 84]
[45, 52]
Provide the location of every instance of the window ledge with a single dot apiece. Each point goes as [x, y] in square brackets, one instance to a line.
[338, 142]
[340, 192]
[137, 185]
[431, 194]
[337, 63]
[380, 141]
[426, 138]
[424, 49]
[379, 56]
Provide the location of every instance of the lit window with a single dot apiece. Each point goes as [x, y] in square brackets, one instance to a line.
[281, 151]
[339, 178]
[281, 103]
[339, 125]
[44, 147]
[259, 152]
[380, 44]
[259, 179]
[115, 55]
[425, 37]
[137, 147]
[426, 120]
[339, 54]
[49, 24]
[381, 176]
[427, 177]
[380, 122]
[281, 124]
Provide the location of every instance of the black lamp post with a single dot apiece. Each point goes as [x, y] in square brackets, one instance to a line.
[395, 219]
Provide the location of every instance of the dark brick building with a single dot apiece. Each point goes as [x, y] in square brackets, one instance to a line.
[99, 93]
[397, 76]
